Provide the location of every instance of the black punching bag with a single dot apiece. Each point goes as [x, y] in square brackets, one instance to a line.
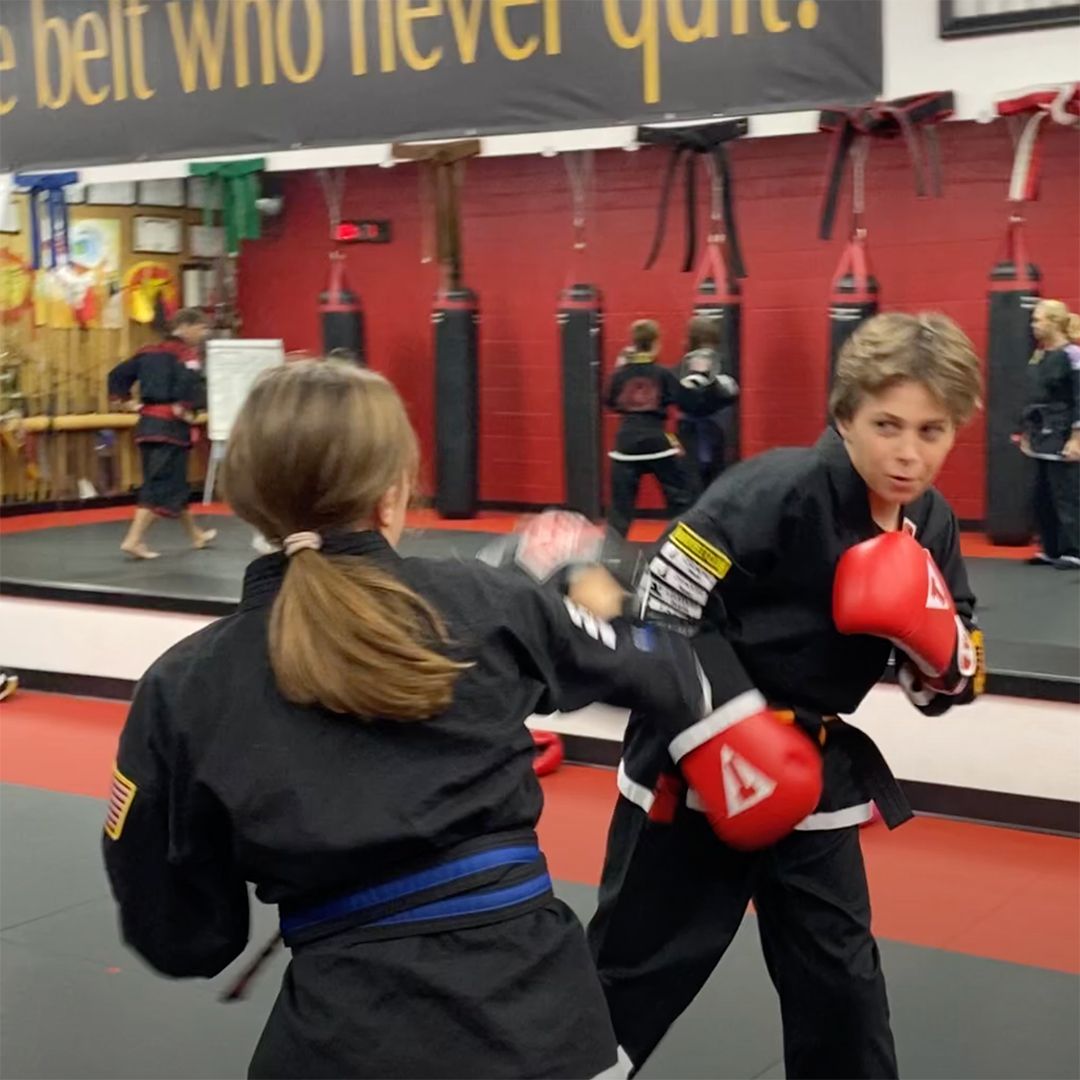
[854, 299]
[455, 318]
[1014, 292]
[581, 340]
[725, 309]
[340, 313]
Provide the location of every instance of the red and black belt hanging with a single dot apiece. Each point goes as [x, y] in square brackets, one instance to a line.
[854, 288]
[911, 118]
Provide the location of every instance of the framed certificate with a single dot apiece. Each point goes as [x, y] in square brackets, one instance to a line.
[971, 18]
[118, 193]
[11, 214]
[206, 241]
[200, 191]
[157, 235]
[168, 192]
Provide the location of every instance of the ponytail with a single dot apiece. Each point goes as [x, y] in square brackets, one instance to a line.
[348, 637]
[1072, 328]
[314, 449]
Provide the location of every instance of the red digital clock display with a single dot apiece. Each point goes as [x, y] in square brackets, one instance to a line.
[363, 232]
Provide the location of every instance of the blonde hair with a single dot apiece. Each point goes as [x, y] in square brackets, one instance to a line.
[1061, 318]
[315, 448]
[888, 349]
[644, 333]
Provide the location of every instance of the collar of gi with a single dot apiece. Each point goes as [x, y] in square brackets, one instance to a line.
[849, 488]
[263, 577]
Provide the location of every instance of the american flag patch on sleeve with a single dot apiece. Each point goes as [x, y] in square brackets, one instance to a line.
[121, 797]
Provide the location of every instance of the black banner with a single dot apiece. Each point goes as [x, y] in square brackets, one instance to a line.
[85, 82]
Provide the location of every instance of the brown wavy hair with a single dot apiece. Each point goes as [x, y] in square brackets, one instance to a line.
[892, 348]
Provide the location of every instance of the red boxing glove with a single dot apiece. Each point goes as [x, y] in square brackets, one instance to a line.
[891, 587]
[756, 777]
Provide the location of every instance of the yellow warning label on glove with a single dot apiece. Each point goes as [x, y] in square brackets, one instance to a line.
[699, 549]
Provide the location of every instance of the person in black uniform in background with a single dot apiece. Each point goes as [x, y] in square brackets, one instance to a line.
[760, 558]
[1051, 435]
[171, 390]
[642, 390]
[352, 740]
[703, 436]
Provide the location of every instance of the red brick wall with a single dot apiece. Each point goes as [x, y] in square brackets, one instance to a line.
[926, 254]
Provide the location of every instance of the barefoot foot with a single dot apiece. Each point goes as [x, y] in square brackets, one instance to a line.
[139, 551]
[206, 538]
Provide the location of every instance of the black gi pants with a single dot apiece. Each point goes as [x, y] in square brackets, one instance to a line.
[704, 441]
[165, 489]
[626, 478]
[1057, 506]
[671, 900]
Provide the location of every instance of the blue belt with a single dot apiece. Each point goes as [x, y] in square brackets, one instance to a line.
[408, 897]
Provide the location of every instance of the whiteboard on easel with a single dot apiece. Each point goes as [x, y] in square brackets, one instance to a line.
[232, 366]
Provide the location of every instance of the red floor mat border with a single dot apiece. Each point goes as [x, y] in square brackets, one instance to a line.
[997, 893]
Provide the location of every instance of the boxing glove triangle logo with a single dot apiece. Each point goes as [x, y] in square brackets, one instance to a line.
[937, 595]
[744, 784]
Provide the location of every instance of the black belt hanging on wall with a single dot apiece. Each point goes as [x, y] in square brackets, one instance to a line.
[717, 294]
[340, 312]
[1014, 292]
[581, 343]
[455, 317]
[854, 295]
[687, 145]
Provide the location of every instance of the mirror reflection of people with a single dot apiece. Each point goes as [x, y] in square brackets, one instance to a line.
[642, 390]
[704, 436]
[352, 741]
[1051, 433]
[171, 390]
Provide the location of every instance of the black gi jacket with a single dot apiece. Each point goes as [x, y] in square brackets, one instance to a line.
[166, 377]
[1052, 409]
[643, 391]
[756, 557]
[221, 782]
